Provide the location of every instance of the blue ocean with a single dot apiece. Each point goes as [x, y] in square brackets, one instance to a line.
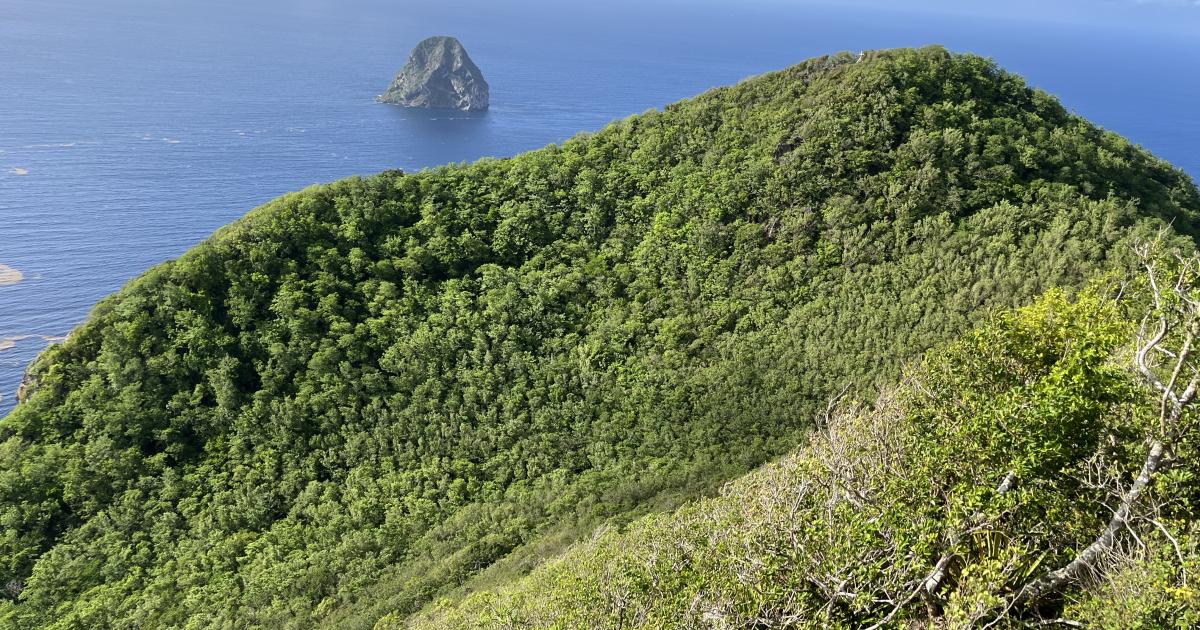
[130, 130]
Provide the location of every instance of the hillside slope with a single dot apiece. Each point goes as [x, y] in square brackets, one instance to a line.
[997, 459]
[362, 395]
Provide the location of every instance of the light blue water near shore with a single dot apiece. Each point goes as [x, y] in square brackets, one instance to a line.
[130, 129]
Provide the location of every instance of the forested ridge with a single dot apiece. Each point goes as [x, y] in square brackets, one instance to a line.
[370, 397]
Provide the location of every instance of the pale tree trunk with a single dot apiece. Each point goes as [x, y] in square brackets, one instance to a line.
[1176, 308]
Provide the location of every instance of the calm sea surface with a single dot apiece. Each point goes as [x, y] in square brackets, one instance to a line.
[130, 131]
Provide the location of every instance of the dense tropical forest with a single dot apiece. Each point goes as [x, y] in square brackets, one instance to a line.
[954, 498]
[512, 393]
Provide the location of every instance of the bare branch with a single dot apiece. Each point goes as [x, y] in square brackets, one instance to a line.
[1061, 622]
[1174, 543]
[1179, 310]
[933, 581]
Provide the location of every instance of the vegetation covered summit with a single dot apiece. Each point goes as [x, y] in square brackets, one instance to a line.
[370, 397]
